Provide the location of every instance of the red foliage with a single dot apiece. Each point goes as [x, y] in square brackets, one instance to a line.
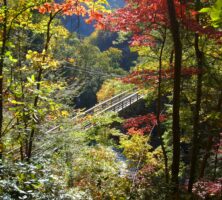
[151, 76]
[218, 145]
[142, 124]
[205, 188]
[93, 15]
[69, 8]
[142, 16]
[144, 176]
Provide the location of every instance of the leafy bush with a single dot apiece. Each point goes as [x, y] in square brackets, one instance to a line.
[98, 171]
[29, 181]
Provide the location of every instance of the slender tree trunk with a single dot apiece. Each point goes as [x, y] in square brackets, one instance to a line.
[196, 127]
[31, 137]
[206, 156]
[171, 59]
[216, 158]
[21, 151]
[24, 117]
[209, 144]
[196, 124]
[159, 110]
[2, 56]
[39, 78]
[219, 138]
[175, 30]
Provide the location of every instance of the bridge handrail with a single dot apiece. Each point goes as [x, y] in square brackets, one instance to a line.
[106, 102]
[119, 102]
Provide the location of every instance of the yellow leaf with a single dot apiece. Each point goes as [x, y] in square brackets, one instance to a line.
[65, 113]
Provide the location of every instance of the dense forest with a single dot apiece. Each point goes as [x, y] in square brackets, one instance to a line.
[110, 99]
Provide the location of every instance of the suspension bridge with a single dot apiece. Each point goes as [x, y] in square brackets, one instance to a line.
[115, 104]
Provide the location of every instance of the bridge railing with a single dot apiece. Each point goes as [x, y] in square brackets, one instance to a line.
[123, 103]
[105, 104]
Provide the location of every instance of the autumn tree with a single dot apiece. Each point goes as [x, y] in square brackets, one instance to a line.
[174, 26]
[142, 19]
[3, 50]
[10, 12]
[196, 125]
[12, 22]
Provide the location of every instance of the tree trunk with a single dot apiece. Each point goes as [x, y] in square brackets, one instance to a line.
[206, 156]
[171, 59]
[2, 56]
[31, 137]
[39, 78]
[159, 110]
[210, 143]
[195, 149]
[174, 26]
[216, 158]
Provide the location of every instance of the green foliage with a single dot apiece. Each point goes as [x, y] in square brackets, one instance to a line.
[102, 131]
[106, 119]
[112, 87]
[98, 172]
[135, 148]
[29, 181]
[215, 13]
[87, 67]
